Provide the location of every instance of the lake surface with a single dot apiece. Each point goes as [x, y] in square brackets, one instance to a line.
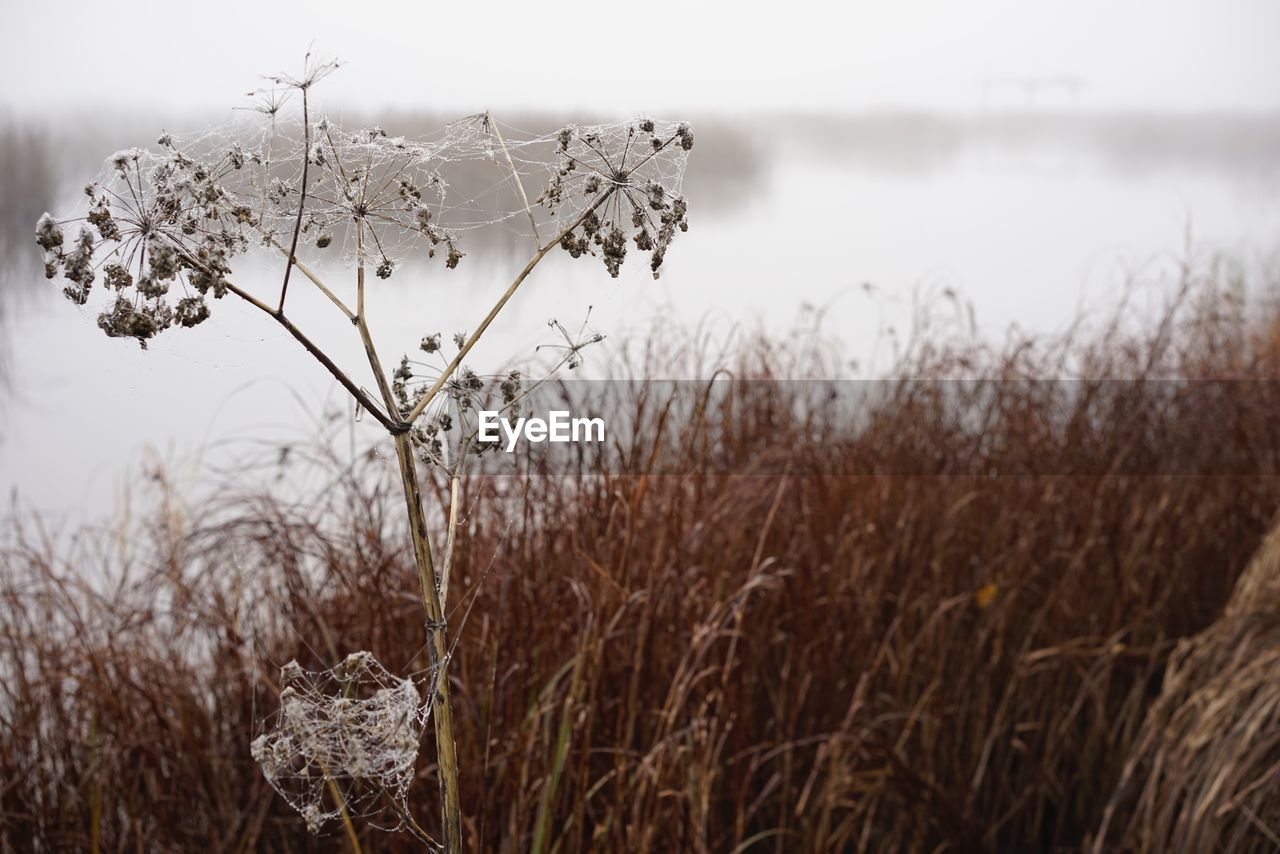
[1030, 219]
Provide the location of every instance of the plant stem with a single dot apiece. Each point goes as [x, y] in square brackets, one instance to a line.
[490, 124]
[441, 711]
[338, 374]
[355, 391]
[352, 839]
[316, 280]
[497, 307]
[375, 363]
[266, 169]
[302, 198]
[454, 481]
[410, 823]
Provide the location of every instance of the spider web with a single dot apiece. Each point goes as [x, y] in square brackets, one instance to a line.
[474, 182]
[343, 738]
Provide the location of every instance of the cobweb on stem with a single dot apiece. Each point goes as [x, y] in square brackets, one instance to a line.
[343, 738]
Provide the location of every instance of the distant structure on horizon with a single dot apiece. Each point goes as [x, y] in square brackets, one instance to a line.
[1032, 93]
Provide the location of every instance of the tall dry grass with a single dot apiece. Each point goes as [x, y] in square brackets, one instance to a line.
[710, 662]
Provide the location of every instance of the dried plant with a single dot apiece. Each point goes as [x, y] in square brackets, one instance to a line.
[1202, 775]
[163, 226]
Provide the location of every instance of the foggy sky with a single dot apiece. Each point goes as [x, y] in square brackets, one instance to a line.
[931, 54]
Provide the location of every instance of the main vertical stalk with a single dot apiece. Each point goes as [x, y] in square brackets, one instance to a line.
[441, 710]
[438, 642]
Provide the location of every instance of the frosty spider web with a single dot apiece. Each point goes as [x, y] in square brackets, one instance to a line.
[163, 224]
[387, 199]
[343, 738]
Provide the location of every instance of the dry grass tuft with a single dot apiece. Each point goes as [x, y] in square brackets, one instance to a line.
[1206, 766]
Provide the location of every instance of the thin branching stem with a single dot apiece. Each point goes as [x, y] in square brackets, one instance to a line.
[266, 168]
[410, 823]
[490, 124]
[302, 199]
[317, 281]
[347, 825]
[426, 399]
[362, 323]
[455, 480]
[361, 398]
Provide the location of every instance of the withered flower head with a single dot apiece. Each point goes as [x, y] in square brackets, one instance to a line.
[157, 219]
[627, 179]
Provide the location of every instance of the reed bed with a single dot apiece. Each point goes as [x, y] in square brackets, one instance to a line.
[773, 655]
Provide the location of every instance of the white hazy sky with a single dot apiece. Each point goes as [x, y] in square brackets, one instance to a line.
[168, 54]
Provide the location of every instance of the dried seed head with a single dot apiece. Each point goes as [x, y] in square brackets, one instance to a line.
[685, 136]
[191, 311]
[49, 233]
[455, 255]
[510, 387]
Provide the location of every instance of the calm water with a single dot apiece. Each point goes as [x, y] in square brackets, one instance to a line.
[1030, 220]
